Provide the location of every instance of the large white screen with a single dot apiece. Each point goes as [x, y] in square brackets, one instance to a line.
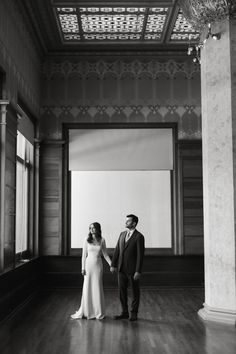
[108, 196]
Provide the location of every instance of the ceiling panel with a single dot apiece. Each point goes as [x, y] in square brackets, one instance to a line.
[62, 25]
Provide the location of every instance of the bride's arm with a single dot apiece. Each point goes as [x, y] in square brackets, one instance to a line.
[104, 252]
[84, 255]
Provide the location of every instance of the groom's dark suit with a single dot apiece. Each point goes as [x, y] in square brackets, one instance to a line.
[128, 259]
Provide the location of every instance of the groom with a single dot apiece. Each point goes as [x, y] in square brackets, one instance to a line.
[128, 259]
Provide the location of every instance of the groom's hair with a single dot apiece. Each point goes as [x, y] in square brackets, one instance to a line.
[134, 218]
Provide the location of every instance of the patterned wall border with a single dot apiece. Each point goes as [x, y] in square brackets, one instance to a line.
[188, 117]
[119, 68]
[127, 110]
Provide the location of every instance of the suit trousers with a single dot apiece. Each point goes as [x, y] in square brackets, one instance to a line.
[124, 280]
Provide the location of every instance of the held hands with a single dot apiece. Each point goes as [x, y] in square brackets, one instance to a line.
[112, 270]
[137, 276]
[83, 272]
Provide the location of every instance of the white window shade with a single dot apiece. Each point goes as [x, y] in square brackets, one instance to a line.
[107, 197]
[120, 149]
[25, 149]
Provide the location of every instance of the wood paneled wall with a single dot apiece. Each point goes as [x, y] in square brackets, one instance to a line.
[52, 236]
[50, 230]
[59, 272]
[190, 163]
[18, 286]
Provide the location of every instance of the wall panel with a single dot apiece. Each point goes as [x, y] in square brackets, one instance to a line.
[165, 92]
[61, 272]
[190, 154]
[50, 198]
[19, 57]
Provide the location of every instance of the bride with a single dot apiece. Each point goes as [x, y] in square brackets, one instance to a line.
[92, 302]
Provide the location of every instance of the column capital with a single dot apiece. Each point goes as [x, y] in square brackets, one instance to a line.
[4, 102]
[37, 141]
[56, 142]
[37, 145]
[3, 111]
[201, 13]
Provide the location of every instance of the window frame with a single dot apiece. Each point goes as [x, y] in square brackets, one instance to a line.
[28, 253]
[66, 231]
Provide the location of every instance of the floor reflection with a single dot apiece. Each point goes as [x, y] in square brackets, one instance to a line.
[168, 323]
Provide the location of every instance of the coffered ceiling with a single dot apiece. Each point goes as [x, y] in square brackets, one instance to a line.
[62, 26]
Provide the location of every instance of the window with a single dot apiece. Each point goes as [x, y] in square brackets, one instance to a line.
[24, 173]
[123, 171]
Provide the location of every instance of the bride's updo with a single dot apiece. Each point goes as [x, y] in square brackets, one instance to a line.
[98, 235]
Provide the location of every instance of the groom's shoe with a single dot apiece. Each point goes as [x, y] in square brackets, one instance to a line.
[122, 316]
[133, 317]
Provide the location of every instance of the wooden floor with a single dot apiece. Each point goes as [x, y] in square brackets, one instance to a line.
[168, 323]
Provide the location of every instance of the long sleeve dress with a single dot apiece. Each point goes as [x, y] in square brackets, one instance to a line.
[92, 302]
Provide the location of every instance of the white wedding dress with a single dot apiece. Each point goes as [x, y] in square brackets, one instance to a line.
[92, 302]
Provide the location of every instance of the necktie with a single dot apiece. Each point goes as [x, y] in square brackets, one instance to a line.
[127, 237]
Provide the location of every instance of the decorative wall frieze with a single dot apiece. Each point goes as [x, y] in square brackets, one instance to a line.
[119, 68]
[188, 117]
[161, 110]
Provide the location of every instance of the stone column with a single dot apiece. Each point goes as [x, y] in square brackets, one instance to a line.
[218, 86]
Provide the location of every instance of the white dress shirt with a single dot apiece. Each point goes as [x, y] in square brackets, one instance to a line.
[128, 235]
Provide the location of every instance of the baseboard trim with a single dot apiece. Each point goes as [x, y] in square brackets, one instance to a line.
[208, 313]
[64, 271]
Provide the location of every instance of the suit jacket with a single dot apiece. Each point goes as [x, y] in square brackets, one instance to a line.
[130, 254]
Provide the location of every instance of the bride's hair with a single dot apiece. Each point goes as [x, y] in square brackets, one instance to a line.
[98, 235]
